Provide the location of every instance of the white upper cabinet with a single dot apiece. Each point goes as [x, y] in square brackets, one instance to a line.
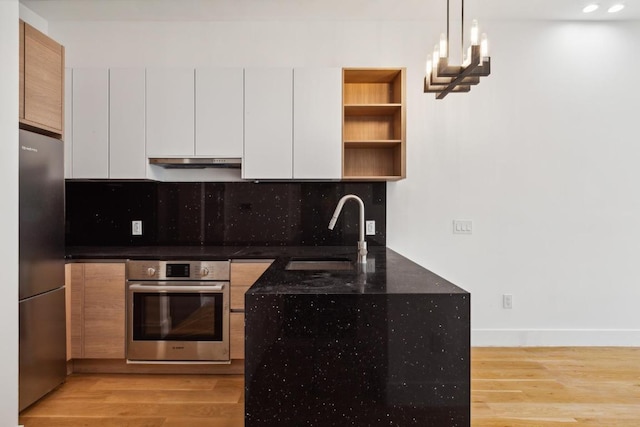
[90, 123]
[68, 123]
[219, 112]
[268, 125]
[127, 159]
[317, 120]
[285, 123]
[170, 112]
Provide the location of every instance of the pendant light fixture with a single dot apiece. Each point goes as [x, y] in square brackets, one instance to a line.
[442, 78]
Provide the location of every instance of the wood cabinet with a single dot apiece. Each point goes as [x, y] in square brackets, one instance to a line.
[373, 126]
[127, 156]
[170, 112]
[41, 66]
[219, 124]
[68, 123]
[317, 150]
[21, 72]
[68, 284]
[97, 314]
[244, 274]
[268, 124]
[90, 158]
[236, 335]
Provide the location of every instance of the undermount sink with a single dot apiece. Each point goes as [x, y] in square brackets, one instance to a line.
[325, 264]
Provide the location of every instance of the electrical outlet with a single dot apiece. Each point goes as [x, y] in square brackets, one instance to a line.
[136, 228]
[371, 228]
[462, 226]
[507, 301]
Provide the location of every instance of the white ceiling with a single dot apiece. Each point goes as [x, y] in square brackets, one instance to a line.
[243, 10]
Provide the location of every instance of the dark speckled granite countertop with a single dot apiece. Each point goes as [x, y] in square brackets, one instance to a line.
[386, 272]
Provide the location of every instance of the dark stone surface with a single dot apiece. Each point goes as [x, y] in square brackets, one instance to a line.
[99, 213]
[388, 346]
[203, 253]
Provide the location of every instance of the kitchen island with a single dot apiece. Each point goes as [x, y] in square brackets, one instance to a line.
[383, 344]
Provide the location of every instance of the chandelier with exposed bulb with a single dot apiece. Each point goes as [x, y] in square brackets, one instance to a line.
[442, 78]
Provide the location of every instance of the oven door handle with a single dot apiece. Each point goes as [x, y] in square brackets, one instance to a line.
[198, 289]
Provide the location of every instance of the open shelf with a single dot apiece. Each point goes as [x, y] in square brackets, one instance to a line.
[372, 143]
[373, 124]
[371, 109]
[376, 162]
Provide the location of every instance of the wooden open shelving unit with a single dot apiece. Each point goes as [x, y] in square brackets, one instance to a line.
[373, 124]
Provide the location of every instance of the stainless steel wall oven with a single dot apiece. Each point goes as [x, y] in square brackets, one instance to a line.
[178, 311]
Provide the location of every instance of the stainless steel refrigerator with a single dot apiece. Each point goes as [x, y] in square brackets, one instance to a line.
[42, 292]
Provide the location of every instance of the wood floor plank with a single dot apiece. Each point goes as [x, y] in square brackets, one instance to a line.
[131, 409]
[204, 422]
[92, 421]
[217, 395]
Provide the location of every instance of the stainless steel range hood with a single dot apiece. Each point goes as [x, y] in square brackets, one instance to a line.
[196, 162]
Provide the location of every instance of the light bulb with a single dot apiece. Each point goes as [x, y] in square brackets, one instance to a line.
[428, 69]
[443, 45]
[474, 33]
[467, 58]
[616, 8]
[436, 56]
[484, 46]
[590, 8]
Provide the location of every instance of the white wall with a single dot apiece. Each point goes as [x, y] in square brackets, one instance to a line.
[9, 213]
[543, 157]
[33, 19]
[540, 156]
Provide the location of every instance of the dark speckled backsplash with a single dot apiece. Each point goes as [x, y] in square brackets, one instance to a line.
[234, 213]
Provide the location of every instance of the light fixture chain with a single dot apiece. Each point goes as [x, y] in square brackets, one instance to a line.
[448, 41]
[462, 29]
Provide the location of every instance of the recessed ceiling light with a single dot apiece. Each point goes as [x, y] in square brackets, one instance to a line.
[590, 8]
[616, 8]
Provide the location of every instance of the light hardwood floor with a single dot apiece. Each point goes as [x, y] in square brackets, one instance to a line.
[511, 387]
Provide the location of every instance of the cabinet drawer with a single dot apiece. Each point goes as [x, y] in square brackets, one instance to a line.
[236, 335]
[243, 276]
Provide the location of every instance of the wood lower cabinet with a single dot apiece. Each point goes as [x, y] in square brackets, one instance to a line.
[244, 274]
[236, 335]
[97, 310]
[41, 81]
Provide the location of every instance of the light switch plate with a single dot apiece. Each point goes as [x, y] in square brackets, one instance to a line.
[462, 226]
[371, 228]
[136, 228]
[507, 301]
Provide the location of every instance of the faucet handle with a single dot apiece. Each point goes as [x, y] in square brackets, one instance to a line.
[362, 252]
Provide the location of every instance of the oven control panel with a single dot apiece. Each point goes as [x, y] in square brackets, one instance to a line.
[178, 270]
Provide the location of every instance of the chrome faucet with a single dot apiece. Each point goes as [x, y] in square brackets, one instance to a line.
[362, 245]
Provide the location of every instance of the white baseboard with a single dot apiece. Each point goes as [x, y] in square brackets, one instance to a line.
[555, 337]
